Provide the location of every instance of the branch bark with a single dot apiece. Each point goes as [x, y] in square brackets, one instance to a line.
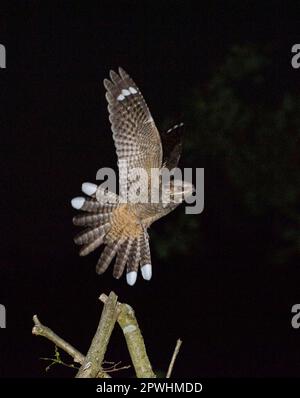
[92, 363]
[41, 330]
[173, 359]
[134, 339]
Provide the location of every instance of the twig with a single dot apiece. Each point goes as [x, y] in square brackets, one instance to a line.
[40, 330]
[134, 339]
[58, 361]
[92, 363]
[175, 353]
[114, 367]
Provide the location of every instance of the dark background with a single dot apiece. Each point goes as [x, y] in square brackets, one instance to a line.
[225, 280]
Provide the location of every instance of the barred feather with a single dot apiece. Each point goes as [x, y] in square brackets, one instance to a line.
[145, 250]
[89, 235]
[91, 205]
[122, 258]
[136, 137]
[87, 249]
[134, 257]
[91, 219]
[106, 257]
[107, 198]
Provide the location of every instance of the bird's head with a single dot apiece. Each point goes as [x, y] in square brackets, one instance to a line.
[177, 191]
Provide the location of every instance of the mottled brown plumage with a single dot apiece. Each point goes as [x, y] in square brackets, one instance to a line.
[122, 227]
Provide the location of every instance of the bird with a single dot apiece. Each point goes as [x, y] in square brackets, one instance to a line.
[122, 226]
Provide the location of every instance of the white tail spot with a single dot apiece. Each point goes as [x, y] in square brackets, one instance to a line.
[89, 188]
[78, 202]
[146, 271]
[131, 277]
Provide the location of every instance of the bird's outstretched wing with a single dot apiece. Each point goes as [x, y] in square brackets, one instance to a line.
[136, 137]
[172, 145]
[138, 144]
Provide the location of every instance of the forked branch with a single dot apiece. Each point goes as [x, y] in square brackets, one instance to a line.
[134, 339]
[91, 364]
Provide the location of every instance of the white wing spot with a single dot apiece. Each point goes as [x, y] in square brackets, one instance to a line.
[175, 127]
[120, 97]
[132, 90]
[125, 92]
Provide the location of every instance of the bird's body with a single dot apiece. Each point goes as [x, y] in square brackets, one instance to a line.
[122, 225]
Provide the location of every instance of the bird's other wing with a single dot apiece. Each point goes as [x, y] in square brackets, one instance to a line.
[135, 135]
[172, 145]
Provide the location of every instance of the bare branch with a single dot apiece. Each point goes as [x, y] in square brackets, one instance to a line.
[58, 361]
[173, 359]
[40, 330]
[114, 367]
[92, 363]
[134, 339]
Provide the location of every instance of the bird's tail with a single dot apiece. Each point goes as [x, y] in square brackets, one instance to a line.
[133, 253]
[130, 252]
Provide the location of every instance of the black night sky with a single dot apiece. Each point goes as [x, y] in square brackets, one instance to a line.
[225, 284]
